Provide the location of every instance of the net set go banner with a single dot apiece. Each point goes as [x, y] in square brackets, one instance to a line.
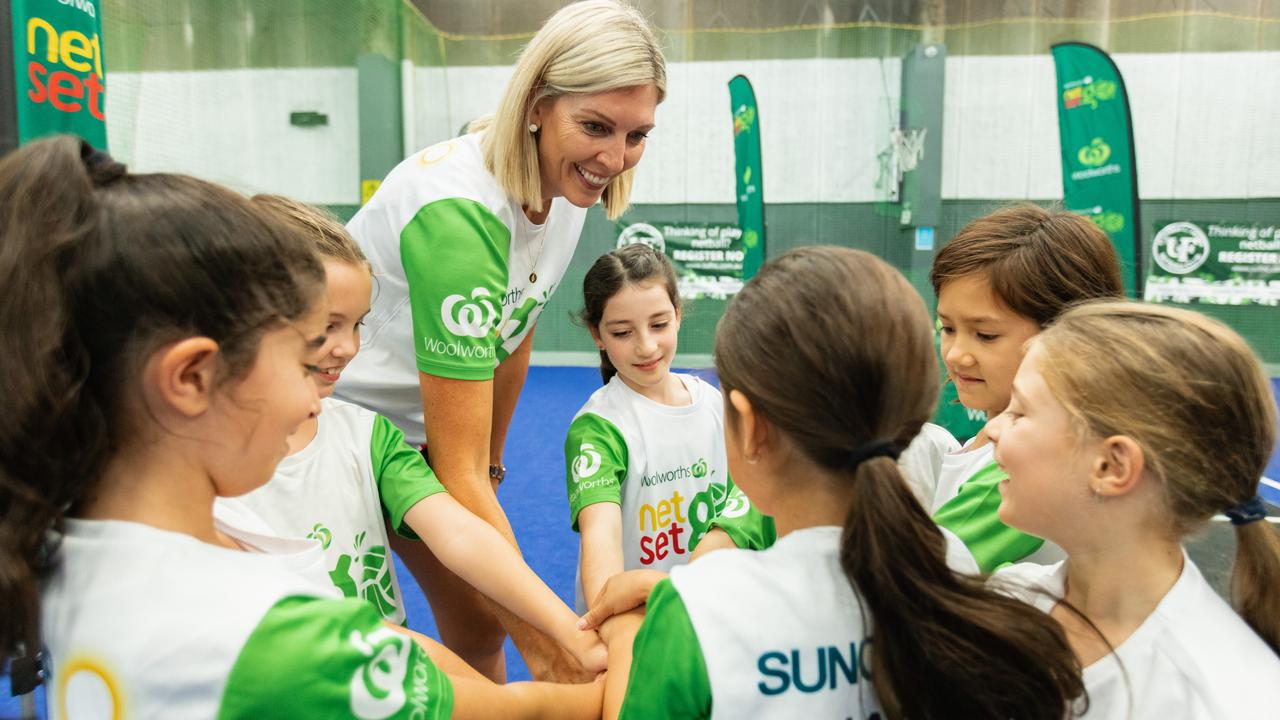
[58, 70]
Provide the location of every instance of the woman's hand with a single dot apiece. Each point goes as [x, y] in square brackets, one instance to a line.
[621, 593]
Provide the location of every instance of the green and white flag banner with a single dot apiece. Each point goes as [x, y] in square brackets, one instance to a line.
[1214, 263]
[1099, 172]
[59, 81]
[708, 258]
[748, 173]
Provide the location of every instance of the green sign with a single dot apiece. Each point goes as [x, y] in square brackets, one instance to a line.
[708, 258]
[59, 80]
[748, 174]
[1099, 175]
[1215, 263]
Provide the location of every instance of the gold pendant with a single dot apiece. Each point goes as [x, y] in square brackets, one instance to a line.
[533, 277]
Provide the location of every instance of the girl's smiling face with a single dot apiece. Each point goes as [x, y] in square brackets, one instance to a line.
[982, 341]
[1048, 462]
[638, 332]
[349, 289]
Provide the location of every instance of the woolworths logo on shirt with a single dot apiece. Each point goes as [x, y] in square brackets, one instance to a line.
[470, 319]
[587, 463]
[679, 472]
[378, 687]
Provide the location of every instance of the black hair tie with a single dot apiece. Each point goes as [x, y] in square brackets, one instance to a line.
[101, 167]
[873, 449]
[1250, 510]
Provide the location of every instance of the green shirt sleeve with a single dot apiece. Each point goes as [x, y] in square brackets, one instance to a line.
[746, 526]
[312, 658]
[668, 673]
[973, 516]
[402, 475]
[595, 459]
[454, 254]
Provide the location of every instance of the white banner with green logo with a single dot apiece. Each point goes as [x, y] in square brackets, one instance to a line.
[57, 58]
[1215, 263]
[708, 258]
[1099, 173]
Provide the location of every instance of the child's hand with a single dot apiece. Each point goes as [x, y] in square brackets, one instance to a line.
[622, 592]
[586, 646]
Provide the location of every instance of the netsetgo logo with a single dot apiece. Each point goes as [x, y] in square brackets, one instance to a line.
[65, 66]
[1086, 92]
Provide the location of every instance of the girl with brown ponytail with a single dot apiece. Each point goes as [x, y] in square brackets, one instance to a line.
[827, 365]
[169, 331]
[1129, 427]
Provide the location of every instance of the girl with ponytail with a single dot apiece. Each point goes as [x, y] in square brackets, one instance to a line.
[826, 360]
[169, 331]
[1129, 427]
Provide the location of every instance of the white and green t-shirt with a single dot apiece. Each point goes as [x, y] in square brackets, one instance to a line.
[723, 637]
[455, 261]
[665, 466]
[338, 490]
[1193, 658]
[967, 503]
[144, 623]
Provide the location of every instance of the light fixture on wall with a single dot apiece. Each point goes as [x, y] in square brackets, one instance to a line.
[308, 118]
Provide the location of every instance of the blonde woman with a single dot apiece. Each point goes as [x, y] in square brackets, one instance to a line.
[1130, 425]
[469, 239]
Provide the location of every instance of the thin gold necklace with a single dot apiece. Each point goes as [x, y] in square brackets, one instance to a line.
[542, 241]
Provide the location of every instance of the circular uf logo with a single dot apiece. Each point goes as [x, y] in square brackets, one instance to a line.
[1180, 247]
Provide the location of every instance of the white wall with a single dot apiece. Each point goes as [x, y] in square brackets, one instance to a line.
[1204, 125]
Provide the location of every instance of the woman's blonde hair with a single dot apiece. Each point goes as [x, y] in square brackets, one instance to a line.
[588, 47]
[1192, 394]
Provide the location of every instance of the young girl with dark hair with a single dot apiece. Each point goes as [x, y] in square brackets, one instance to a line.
[827, 363]
[1130, 426]
[170, 331]
[645, 465]
[1001, 280]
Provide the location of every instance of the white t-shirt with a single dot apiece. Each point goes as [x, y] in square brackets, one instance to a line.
[337, 490]
[453, 259]
[665, 466]
[140, 622]
[1193, 658]
[923, 460]
[956, 467]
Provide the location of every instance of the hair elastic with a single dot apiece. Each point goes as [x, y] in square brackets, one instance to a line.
[1248, 511]
[873, 449]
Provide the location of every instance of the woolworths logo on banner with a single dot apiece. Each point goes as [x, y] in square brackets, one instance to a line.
[697, 470]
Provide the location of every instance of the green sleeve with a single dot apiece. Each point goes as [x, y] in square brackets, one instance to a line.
[454, 254]
[312, 658]
[595, 460]
[746, 526]
[668, 673]
[402, 475]
[973, 516]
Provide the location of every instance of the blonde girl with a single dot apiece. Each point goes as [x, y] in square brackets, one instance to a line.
[1130, 426]
[349, 468]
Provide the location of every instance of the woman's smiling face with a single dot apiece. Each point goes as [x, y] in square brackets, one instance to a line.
[585, 141]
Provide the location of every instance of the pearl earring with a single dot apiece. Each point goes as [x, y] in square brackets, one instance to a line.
[533, 127]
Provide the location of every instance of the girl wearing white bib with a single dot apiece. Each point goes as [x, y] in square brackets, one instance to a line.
[644, 460]
[1130, 426]
[826, 360]
[349, 468]
[170, 327]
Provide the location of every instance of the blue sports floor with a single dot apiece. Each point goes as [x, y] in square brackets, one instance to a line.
[534, 498]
